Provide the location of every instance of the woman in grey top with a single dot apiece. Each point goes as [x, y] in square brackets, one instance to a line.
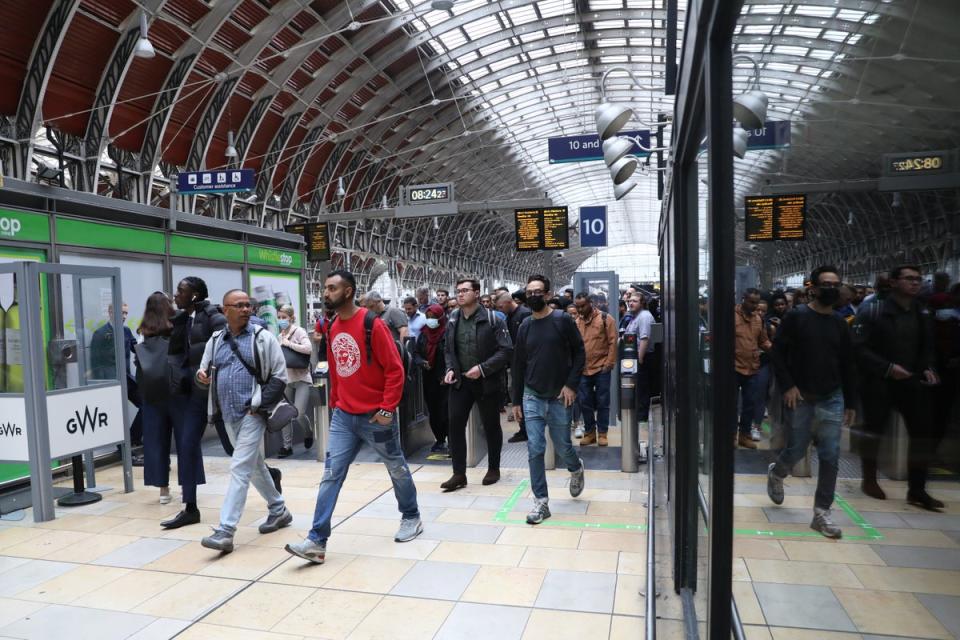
[294, 337]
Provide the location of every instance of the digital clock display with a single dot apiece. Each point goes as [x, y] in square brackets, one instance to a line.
[428, 194]
[913, 163]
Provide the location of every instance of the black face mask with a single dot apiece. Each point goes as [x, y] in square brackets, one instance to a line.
[536, 303]
[828, 296]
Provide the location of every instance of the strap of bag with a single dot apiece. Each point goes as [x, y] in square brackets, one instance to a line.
[255, 372]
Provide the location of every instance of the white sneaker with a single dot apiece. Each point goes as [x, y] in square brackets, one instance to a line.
[755, 434]
[578, 431]
[165, 498]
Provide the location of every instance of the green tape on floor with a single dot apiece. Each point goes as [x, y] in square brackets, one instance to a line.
[858, 520]
[502, 516]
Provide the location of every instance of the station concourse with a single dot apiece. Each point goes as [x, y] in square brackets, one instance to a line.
[697, 264]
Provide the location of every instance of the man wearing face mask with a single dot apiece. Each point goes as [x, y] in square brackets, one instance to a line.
[599, 334]
[814, 363]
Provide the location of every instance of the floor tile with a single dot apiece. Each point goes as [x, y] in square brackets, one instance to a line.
[9, 562]
[747, 603]
[190, 598]
[780, 633]
[890, 613]
[613, 541]
[937, 521]
[11, 536]
[312, 617]
[630, 628]
[802, 516]
[299, 572]
[77, 623]
[632, 563]
[204, 631]
[259, 606]
[831, 552]
[136, 554]
[946, 609]
[446, 531]
[911, 580]
[470, 621]
[42, 543]
[387, 511]
[91, 548]
[578, 591]
[793, 572]
[499, 554]
[30, 574]
[537, 537]
[919, 557]
[802, 606]
[886, 520]
[421, 619]
[563, 559]
[628, 600]
[247, 562]
[84, 523]
[758, 548]
[12, 610]
[545, 624]
[73, 584]
[438, 580]
[375, 575]
[130, 590]
[379, 546]
[160, 629]
[505, 585]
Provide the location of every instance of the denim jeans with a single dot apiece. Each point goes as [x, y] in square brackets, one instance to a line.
[746, 385]
[247, 466]
[541, 414]
[348, 432]
[594, 399]
[761, 392]
[820, 419]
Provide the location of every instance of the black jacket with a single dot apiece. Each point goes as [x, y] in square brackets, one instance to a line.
[878, 342]
[207, 319]
[493, 345]
[515, 319]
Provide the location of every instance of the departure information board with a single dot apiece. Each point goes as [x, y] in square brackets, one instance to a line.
[539, 229]
[771, 218]
[317, 238]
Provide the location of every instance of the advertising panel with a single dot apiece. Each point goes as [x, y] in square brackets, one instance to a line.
[270, 290]
[81, 419]
[13, 430]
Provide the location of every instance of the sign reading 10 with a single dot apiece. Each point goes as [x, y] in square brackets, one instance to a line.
[593, 226]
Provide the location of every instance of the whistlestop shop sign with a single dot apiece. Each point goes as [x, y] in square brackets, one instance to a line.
[220, 181]
[588, 147]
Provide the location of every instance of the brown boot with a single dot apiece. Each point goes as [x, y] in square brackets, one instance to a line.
[869, 484]
[744, 440]
[492, 477]
[456, 481]
[590, 437]
[602, 440]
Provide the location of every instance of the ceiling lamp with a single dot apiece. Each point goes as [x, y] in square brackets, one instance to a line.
[340, 190]
[620, 190]
[231, 151]
[144, 49]
[740, 138]
[615, 148]
[441, 5]
[622, 169]
[612, 117]
[750, 107]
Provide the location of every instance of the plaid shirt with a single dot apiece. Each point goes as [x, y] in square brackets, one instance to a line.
[234, 382]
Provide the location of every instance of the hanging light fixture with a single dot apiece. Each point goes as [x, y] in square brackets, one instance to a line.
[615, 148]
[231, 151]
[612, 117]
[441, 5]
[620, 190]
[622, 169]
[340, 190]
[143, 48]
[383, 202]
[740, 138]
[750, 107]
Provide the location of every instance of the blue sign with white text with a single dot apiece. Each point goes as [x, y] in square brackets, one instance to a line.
[775, 134]
[588, 147]
[217, 181]
[593, 226]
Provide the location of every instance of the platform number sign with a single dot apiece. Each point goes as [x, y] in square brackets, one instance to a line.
[593, 226]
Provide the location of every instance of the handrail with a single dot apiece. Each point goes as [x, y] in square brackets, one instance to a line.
[736, 625]
[651, 604]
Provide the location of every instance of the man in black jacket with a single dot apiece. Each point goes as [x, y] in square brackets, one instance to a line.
[192, 327]
[516, 314]
[894, 345]
[477, 348]
[547, 363]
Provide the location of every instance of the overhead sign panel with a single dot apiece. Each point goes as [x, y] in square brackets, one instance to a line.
[774, 134]
[316, 235]
[593, 226]
[588, 147]
[429, 193]
[545, 228]
[771, 218]
[219, 181]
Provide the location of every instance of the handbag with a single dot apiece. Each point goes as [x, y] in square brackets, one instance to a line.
[280, 414]
[158, 374]
[295, 359]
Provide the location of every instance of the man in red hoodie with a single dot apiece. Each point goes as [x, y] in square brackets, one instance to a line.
[366, 383]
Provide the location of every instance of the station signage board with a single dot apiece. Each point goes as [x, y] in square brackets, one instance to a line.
[316, 235]
[587, 148]
[542, 229]
[83, 419]
[13, 429]
[218, 181]
[593, 226]
[770, 218]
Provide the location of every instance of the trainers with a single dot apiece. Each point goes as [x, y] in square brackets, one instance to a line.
[602, 440]
[590, 437]
[576, 481]
[822, 523]
[755, 434]
[540, 511]
[277, 522]
[308, 550]
[285, 452]
[578, 432]
[409, 529]
[774, 485]
[219, 540]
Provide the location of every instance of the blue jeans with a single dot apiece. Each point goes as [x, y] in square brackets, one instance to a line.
[540, 414]
[348, 432]
[746, 385]
[820, 419]
[247, 466]
[594, 399]
[761, 392]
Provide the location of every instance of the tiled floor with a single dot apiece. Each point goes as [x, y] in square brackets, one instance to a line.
[109, 571]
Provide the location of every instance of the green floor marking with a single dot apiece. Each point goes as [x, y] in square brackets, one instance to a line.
[502, 515]
[858, 520]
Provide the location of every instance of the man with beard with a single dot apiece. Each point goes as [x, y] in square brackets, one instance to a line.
[366, 384]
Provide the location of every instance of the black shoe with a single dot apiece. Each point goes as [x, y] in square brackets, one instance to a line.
[438, 447]
[492, 477]
[276, 475]
[137, 460]
[182, 519]
[307, 441]
[519, 436]
[924, 500]
[456, 481]
[285, 452]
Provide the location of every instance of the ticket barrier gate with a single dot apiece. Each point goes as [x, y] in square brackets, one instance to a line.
[629, 435]
[476, 438]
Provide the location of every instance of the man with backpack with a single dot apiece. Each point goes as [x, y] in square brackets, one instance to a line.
[244, 367]
[547, 362]
[366, 384]
[477, 349]
[599, 335]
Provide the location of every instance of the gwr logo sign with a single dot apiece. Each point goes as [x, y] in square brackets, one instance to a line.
[10, 429]
[91, 419]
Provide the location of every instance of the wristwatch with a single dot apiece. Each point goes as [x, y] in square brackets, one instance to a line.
[385, 413]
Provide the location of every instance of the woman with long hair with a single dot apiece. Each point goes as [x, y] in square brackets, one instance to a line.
[429, 357]
[153, 382]
[295, 342]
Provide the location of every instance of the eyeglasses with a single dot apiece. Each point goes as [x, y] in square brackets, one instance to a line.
[911, 278]
[240, 305]
[459, 291]
[830, 285]
[536, 292]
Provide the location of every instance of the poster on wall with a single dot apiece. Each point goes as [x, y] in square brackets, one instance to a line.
[11, 351]
[269, 291]
[219, 280]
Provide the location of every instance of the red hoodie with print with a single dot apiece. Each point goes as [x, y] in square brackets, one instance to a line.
[357, 385]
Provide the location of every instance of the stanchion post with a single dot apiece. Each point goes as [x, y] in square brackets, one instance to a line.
[321, 412]
[629, 461]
